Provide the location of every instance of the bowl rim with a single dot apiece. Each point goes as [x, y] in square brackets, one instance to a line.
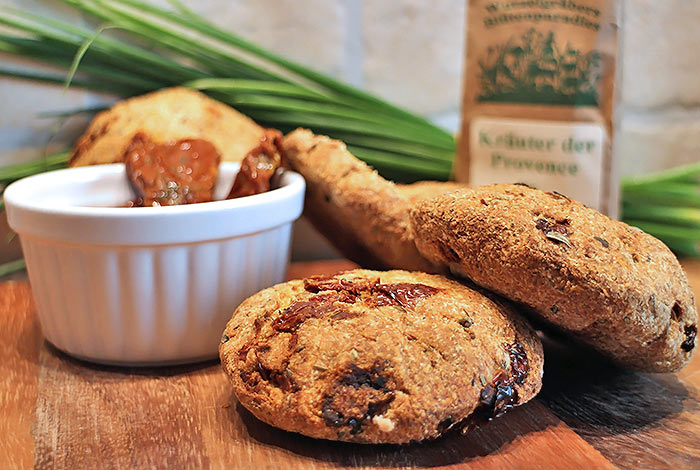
[108, 169]
[106, 225]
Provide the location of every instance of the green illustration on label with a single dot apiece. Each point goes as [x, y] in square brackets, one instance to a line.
[533, 68]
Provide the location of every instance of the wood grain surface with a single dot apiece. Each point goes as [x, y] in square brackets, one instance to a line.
[58, 412]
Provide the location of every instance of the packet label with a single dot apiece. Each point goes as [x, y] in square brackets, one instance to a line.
[540, 90]
[564, 157]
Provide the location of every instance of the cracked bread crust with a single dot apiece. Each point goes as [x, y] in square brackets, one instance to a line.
[379, 357]
[607, 284]
[361, 213]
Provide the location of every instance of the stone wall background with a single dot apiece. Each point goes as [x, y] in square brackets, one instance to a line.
[411, 52]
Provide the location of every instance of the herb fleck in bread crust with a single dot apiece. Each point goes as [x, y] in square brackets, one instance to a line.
[379, 357]
[166, 115]
[607, 284]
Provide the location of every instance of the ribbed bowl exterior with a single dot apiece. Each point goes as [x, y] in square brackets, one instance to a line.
[149, 305]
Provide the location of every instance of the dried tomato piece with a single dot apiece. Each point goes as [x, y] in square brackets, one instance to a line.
[171, 174]
[259, 166]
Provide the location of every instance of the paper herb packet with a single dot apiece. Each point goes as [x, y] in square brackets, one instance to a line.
[539, 97]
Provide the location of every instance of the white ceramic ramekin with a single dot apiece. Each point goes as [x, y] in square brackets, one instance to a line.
[145, 286]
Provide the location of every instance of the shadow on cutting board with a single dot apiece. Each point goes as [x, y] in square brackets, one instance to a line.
[629, 417]
[451, 449]
[589, 393]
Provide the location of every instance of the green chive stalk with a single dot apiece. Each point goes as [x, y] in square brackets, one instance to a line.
[10, 173]
[678, 216]
[12, 267]
[666, 205]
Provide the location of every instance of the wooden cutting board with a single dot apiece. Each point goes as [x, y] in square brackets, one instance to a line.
[62, 413]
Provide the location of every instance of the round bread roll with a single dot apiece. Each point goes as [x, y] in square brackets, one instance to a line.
[607, 284]
[379, 357]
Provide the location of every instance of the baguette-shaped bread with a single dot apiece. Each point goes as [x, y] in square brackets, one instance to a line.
[361, 213]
